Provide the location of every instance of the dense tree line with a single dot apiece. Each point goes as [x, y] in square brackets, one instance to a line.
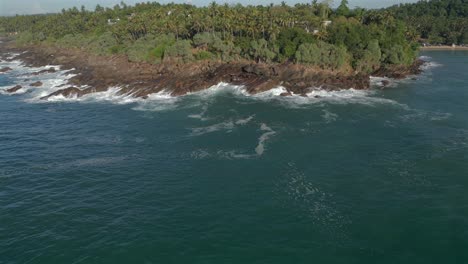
[355, 40]
[435, 21]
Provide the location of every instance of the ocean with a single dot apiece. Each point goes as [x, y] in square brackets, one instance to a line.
[378, 176]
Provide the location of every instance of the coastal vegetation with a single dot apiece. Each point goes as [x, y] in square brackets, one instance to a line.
[435, 21]
[342, 39]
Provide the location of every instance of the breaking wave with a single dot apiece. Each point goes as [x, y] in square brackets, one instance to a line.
[161, 101]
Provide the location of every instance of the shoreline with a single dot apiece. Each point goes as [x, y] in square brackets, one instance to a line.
[428, 48]
[100, 73]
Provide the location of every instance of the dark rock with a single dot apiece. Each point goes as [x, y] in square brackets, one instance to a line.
[304, 95]
[5, 69]
[67, 92]
[36, 84]
[50, 70]
[286, 94]
[14, 89]
[259, 69]
[385, 82]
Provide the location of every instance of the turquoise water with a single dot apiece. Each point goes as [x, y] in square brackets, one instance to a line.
[220, 177]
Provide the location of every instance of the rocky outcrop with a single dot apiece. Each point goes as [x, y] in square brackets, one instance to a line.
[142, 79]
[36, 84]
[14, 89]
[400, 71]
[5, 69]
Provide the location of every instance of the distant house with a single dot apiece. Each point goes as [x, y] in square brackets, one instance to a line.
[112, 21]
[326, 23]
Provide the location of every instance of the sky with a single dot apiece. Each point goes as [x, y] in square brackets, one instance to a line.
[12, 7]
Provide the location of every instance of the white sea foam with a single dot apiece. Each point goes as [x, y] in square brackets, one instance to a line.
[221, 154]
[430, 65]
[221, 88]
[245, 120]
[232, 154]
[272, 93]
[417, 115]
[160, 101]
[227, 126]
[198, 131]
[425, 58]
[260, 149]
[378, 82]
[329, 116]
[23, 75]
[200, 116]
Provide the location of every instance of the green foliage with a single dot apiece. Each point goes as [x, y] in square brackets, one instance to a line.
[139, 49]
[149, 48]
[289, 40]
[343, 9]
[261, 51]
[435, 21]
[322, 54]
[181, 51]
[397, 54]
[464, 37]
[153, 32]
[203, 39]
[25, 38]
[156, 54]
[204, 55]
[370, 60]
[102, 44]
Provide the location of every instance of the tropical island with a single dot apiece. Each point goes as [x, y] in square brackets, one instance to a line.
[181, 48]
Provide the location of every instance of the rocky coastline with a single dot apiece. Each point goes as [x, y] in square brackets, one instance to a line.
[99, 73]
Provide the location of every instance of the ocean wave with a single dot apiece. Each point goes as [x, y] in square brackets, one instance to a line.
[272, 93]
[25, 76]
[163, 100]
[315, 96]
[378, 82]
[220, 88]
